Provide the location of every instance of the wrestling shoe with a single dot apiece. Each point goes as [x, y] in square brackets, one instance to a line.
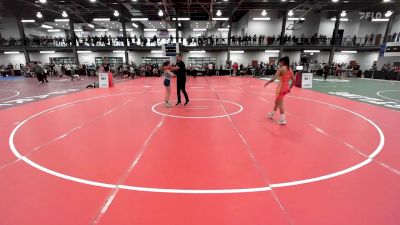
[271, 115]
[281, 122]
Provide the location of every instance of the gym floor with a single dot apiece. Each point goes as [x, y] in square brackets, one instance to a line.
[118, 156]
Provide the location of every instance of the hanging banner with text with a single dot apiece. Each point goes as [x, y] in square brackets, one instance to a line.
[392, 49]
[170, 49]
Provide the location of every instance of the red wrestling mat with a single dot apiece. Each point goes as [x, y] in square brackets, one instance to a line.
[118, 156]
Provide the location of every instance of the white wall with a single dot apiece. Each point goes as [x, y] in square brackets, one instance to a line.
[89, 58]
[14, 59]
[9, 28]
[113, 33]
[269, 28]
[385, 60]
[396, 24]
[365, 59]
[45, 58]
[368, 27]
[221, 57]
[248, 57]
[294, 56]
[38, 31]
[241, 24]
[308, 27]
[326, 25]
[352, 26]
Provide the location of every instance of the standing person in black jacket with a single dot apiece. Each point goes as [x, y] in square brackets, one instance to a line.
[38, 70]
[180, 71]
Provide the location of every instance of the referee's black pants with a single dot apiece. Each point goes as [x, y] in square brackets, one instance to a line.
[181, 86]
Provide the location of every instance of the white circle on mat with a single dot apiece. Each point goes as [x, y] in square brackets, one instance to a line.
[199, 117]
[17, 93]
[196, 191]
[379, 93]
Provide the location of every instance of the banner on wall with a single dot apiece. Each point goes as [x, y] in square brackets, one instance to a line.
[382, 49]
[371, 15]
[392, 49]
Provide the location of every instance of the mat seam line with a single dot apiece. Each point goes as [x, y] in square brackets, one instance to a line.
[255, 161]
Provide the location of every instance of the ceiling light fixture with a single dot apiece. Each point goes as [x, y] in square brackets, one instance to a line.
[388, 13]
[101, 19]
[27, 21]
[139, 19]
[83, 52]
[46, 26]
[272, 51]
[39, 15]
[343, 14]
[341, 19]
[295, 18]
[116, 13]
[61, 20]
[312, 51]
[221, 18]
[350, 52]
[182, 18]
[9, 53]
[264, 13]
[380, 20]
[47, 52]
[64, 14]
[237, 52]
[290, 13]
[135, 25]
[160, 13]
[219, 13]
[262, 18]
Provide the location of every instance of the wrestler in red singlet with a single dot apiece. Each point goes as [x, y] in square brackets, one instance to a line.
[284, 74]
[283, 86]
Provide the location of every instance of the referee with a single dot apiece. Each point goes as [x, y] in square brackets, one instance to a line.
[180, 70]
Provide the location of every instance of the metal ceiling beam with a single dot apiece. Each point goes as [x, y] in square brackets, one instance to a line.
[166, 9]
[189, 2]
[211, 14]
[204, 8]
